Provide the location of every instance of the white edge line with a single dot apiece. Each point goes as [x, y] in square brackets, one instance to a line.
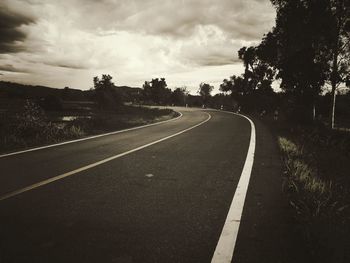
[90, 137]
[61, 176]
[227, 241]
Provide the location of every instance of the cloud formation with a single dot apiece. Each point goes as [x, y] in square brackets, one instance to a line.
[11, 68]
[240, 19]
[134, 40]
[11, 31]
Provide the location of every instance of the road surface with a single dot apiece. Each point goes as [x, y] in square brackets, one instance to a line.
[165, 200]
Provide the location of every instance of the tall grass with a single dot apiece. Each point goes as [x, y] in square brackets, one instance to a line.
[321, 204]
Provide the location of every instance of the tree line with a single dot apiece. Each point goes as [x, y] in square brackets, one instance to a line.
[307, 52]
[154, 92]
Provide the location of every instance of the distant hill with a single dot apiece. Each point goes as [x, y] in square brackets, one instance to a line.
[9, 90]
[129, 94]
[21, 91]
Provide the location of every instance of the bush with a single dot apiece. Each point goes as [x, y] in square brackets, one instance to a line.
[31, 122]
[31, 127]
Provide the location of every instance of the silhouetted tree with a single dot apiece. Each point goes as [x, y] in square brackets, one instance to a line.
[258, 75]
[107, 95]
[235, 85]
[226, 86]
[204, 91]
[105, 83]
[194, 100]
[156, 91]
[296, 47]
[252, 89]
[315, 33]
[247, 55]
[179, 96]
[223, 101]
[339, 48]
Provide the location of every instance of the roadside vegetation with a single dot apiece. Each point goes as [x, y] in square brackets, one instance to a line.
[316, 181]
[32, 126]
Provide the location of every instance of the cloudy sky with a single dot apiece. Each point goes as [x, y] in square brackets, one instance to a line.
[68, 42]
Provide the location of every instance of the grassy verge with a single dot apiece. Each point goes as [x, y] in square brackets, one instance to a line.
[31, 126]
[317, 182]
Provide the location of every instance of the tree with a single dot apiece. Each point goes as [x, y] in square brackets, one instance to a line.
[106, 92]
[310, 46]
[179, 95]
[248, 56]
[104, 83]
[258, 75]
[253, 87]
[297, 48]
[339, 48]
[204, 91]
[235, 85]
[156, 91]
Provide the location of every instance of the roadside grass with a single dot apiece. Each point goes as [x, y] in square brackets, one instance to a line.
[30, 126]
[317, 181]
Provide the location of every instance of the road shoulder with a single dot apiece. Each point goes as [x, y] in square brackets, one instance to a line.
[268, 230]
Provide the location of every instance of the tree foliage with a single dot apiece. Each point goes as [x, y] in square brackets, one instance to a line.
[339, 48]
[235, 85]
[258, 75]
[253, 89]
[309, 47]
[106, 93]
[297, 40]
[204, 91]
[179, 96]
[156, 91]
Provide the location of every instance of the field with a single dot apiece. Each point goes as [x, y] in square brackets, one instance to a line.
[25, 124]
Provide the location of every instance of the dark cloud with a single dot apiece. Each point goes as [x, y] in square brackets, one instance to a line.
[213, 60]
[69, 65]
[209, 56]
[11, 68]
[11, 34]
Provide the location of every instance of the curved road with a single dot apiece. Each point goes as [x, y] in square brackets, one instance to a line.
[166, 202]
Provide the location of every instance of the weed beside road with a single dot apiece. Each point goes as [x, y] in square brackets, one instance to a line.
[31, 126]
[316, 179]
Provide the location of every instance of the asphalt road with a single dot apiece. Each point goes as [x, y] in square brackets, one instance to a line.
[164, 203]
